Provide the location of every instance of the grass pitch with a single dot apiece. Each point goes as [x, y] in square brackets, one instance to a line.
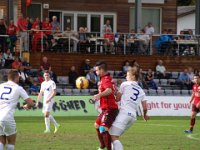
[77, 133]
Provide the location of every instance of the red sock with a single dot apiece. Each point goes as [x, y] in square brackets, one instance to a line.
[192, 123]
[107, 139]
[102, 145]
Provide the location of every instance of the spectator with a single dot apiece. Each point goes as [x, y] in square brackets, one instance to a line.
[27, 66]
[107, 26]
[30, 23]
[3, 27]
[143, 42]
[37, 23]
[16, 63]
[47, 26]
[191, 73]
[149, 80]
[135, 64]
[109, 41]
[86, 67]
[55, 25]
[160, 70]
[46, 66]
[34, 89]
[2, 61]
[8, 57]
[12, 31]
[141, 80]
[23, 26]
[130, 41]
[73, 75]
[126, 67]
[184, 80]
[149, 29]
[92, 78]
[83, 41]
[25, 79]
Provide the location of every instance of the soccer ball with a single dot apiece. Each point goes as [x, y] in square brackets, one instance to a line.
[82, 83]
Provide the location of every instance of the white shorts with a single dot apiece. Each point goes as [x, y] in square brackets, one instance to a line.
[7, 128]
[47, 107]
[123, 121]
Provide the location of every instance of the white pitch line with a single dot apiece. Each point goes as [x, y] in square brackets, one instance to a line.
[191, 136]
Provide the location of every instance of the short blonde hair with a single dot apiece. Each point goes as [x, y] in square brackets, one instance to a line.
[134, 71]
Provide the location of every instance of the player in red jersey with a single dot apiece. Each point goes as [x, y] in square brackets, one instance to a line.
[107, 104]
[195, 98]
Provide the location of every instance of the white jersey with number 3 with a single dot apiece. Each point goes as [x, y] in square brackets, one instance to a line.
[10, 93]
[132, 95]
[48, 87]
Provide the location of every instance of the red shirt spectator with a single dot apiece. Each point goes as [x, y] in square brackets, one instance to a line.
[47, 26]
[16, 64]
[12, 29]
[37, 36]
[22, 23]
[36, 23]
[109, 101]
[109, 35]
[45, 65]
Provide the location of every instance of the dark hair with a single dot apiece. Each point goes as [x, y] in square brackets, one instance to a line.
[196, 74]
[12, 75]
[101, 65]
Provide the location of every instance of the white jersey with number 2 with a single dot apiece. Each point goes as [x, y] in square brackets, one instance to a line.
[10, 93]
[132, 95]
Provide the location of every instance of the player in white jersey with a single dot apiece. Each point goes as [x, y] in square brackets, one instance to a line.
[48, 90]
[10, 93]
[131, 95]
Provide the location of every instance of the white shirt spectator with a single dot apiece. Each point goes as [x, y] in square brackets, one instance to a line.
[160, 68]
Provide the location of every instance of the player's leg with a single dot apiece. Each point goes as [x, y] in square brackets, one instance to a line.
[117, 145]
[11, 142]
[108, 119]
[57, 126]
[99, 135]
[47, 122]
[192, 119]
[2, 141]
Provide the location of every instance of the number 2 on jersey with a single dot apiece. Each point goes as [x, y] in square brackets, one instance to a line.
[135, 94]
[8, 91]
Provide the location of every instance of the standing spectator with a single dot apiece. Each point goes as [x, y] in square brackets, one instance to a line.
[86, 67]
[2, 33]
[37, 23]
[109, 41]
[149, 80]
[107, 26]
[47, 26]
[149, 29]
[184, 80]
[16, 63]
[23, 26]
[30, 24]
[191, 73]
[8, 57]
[73, 75]
[55, 24]
[160, 70]
[2, 60]
[143, 42]
[92, 78]
[83, 42]
[12, 31]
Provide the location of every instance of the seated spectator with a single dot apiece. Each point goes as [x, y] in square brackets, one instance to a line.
[16, 63]
[3, 27]
[46, 25]
[130, 41]
[149, 29]
[143, 42]
[2, 61]
[107, 26]
[191, 73]
[37, 23]
[55, 25]
[73, 75]
[109, 41]
[149, 80]
[46, 66]
[86, 67]
[83, 41]
[27, 66]
[55, 46]
[8, 57]
[184, 80]
[25, 79]
[37, 37]
[92, 78]
[141, 80]
[160, 70]
[126, 67]
[34, 89]
[12, 31]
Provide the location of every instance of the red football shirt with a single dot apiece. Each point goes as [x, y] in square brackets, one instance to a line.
[107, 102]
[22, 24]
[11, 30]
[196, 91]
[47, 26]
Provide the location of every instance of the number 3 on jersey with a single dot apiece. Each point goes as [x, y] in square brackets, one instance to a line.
[8, 90]
[135, 94]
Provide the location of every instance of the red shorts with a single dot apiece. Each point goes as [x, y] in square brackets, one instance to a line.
[107, 117]
[195, 109]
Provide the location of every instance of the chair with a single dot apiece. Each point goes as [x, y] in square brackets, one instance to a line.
[176, 92]
[161, 92]
[76, 91]
[85, 92]
[184, 92]
[60, 91]
[111, 72]
[157, 81]
[175, 75]
[63, 79]
[163, 82]
[68, 92]
[152, 92]
[93, 91]
[118, 73]
[168, 92]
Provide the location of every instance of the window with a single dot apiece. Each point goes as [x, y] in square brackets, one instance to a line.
[95, 23]
[36, 8]
[82, 21]
[148, 15]
[69, 21]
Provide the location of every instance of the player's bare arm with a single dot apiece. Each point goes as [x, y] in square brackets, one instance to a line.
[144, 105]
[29, 104]
[192, 98]
[51, 96]
[107, 92]
[118, 96]
[39, 98]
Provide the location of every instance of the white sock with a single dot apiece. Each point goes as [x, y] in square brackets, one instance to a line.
[117, 145]
[1, 146]
[10, 147]
[47, 123]
[53, 120]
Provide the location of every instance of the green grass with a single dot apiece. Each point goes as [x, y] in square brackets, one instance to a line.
[77, 133]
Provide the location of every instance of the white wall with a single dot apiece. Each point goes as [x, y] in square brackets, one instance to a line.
[186, 22]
